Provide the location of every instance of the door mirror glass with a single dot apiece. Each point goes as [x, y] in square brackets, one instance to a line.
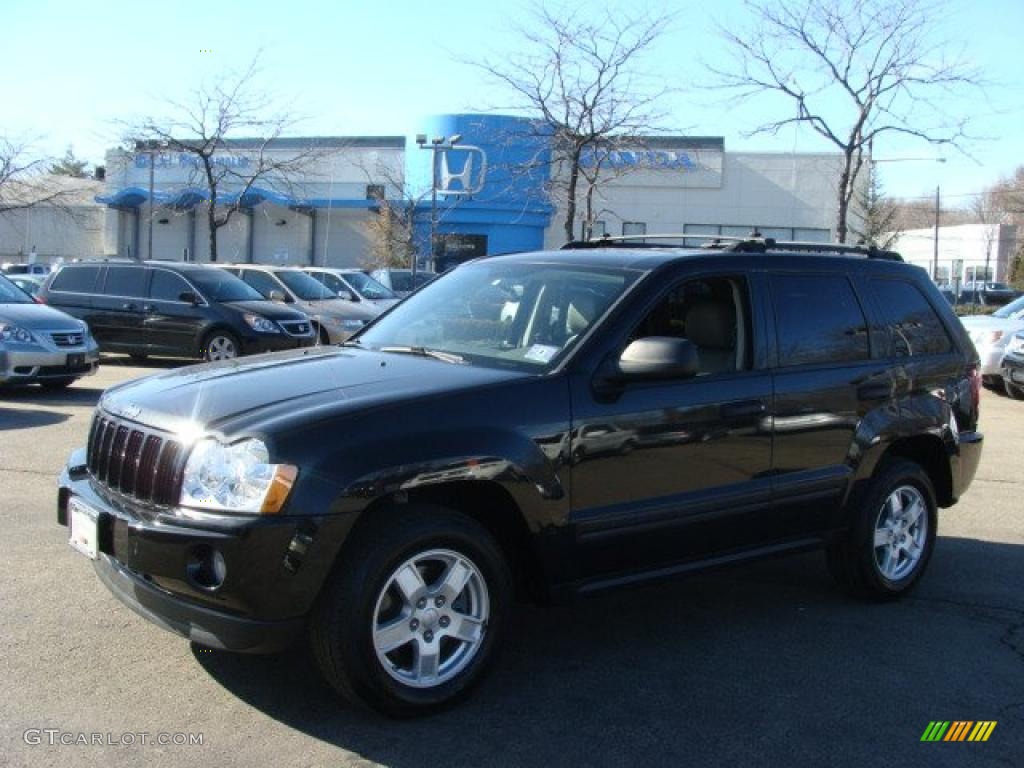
[659, 358]
[346, 295]
[276, 296]
[188, 297]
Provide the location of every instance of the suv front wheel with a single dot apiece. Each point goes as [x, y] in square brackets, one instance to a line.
[891, 536]
[414, 612]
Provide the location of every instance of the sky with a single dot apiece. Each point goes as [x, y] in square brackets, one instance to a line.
[76, 69]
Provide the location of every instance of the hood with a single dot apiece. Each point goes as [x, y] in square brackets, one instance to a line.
[347, 310]
[248, 393]
[990, 323]
[38, 317]
[273, 310]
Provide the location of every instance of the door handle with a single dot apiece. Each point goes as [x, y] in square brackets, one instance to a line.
[743, 409]
[876, 390]
[149, 307]
[129, 305]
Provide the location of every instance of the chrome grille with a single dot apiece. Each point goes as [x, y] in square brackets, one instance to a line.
[296, 327]
[68, 339]
[135, 461]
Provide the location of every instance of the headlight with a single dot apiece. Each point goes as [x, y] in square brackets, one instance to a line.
[15, 333]
[235, 478]
[260, 323]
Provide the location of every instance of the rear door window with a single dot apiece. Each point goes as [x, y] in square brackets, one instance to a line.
[912, 323]
[76, 280]
[818, 320]
[126, 281]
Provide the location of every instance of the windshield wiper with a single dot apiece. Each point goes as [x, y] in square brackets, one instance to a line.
[447, 357]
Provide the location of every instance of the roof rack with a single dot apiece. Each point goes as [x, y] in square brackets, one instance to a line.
[753, 243]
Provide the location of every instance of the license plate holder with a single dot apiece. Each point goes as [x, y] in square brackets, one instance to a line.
[83, 528]
[76, 360]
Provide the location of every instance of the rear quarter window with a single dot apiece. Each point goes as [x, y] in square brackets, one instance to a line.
[76, 280]
[911, 321]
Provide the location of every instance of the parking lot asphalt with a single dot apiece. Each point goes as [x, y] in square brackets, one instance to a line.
[769, 664]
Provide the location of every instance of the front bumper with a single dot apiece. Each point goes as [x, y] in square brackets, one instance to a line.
[275, 342]
[275, 566]
[30, 363]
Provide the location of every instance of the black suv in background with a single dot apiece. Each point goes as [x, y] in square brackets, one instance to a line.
[607, 416]
[174, 309]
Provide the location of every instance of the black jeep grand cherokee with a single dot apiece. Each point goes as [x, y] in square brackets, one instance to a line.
[533, 424]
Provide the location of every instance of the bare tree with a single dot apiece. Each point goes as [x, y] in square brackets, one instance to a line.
[577, 72]
[228, 127]
[851, 70]
[24, 181]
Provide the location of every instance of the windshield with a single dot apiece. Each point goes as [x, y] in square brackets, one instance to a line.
[12, 294]
[1010, 309]
[512, 315]
[217, 285]
[367, 287]
[305, 287]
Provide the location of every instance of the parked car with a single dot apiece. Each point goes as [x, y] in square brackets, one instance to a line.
[174, 309]
[401, 280]
[1012, 370]
[390, 496]
[30, 284]
[334, 319]
[26, 269]
[991, 334]
[355, 285]
[40, 345]
[987, 293]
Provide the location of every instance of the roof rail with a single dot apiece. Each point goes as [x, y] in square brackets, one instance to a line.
[753, 243]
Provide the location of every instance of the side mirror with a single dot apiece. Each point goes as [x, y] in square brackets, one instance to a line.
[188, 297]
[346, 295]
[276, 296]
[659, 358]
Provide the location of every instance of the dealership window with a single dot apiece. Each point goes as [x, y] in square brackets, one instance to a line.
[980, 274]
[598, 228]
[634, 228]
[374, 191]
[800, 234]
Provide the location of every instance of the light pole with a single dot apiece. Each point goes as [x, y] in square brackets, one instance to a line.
[149, 147]
[935, 238]
[437, 144]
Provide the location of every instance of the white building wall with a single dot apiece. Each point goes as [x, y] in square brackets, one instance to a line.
[55, 233]
[343, 239]
[764, 190]
[963, 250]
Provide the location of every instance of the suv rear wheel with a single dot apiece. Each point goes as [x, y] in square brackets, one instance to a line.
[414, 613]
[892, 535]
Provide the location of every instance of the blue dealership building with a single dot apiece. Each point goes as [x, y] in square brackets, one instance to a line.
[497, 190]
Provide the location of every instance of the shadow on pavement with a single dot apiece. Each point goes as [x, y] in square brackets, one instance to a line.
[754, 666]
[19, 419]
[78, 393]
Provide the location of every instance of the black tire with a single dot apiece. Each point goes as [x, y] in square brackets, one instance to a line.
[342, 621]
[215, 341]
[1013, 390]
[853, 558]
[55, 384]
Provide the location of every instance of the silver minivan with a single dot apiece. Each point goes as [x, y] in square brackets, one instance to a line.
[355, 285]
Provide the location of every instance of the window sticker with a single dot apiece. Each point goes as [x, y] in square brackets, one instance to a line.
[541, 353]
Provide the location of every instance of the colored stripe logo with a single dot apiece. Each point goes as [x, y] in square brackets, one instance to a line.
[958, 730]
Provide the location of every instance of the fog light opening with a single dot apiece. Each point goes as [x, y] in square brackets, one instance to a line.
[206, 568]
